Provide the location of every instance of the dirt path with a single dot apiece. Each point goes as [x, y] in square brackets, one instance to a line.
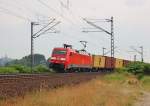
[144, 100]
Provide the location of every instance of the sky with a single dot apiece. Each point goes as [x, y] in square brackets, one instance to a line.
[131, 26]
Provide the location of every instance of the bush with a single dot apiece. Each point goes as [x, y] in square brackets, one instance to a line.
[139, 69]
[21, 68]
[8, 70]
[40, 69]
[136, 68]
[121, 70]
[147, 69]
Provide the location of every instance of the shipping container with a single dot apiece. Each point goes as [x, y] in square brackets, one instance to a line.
[125, 63]
[119, 63]
[98, 61]
[109, 62]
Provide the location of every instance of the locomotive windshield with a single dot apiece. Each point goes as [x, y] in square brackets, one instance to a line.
[59, 52]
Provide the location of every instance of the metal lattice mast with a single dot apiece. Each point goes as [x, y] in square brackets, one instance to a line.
[112, 38]
[32, 57]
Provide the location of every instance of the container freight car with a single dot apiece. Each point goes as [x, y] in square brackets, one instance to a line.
[98, 62]
[119, 63]
[126, 62]
[109, 63]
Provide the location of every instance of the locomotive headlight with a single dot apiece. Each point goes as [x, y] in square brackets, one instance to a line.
[63, 59]
[53, 58]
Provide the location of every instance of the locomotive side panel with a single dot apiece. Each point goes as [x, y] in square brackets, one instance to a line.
[77, 60]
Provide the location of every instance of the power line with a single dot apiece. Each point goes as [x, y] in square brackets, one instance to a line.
[28, 8]
[65, 5]
[55, 11]
[7, 11]
[23, 9]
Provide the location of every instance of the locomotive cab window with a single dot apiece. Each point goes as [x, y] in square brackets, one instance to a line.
[59, 52]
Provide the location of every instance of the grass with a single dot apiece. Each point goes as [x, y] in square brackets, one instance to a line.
[111, 90]
[146, 83]
[6, 70]
[13, 69]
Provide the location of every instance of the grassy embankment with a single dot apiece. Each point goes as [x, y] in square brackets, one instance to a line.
[118, 89]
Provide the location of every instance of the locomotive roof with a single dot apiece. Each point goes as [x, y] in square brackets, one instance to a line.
[72, 50]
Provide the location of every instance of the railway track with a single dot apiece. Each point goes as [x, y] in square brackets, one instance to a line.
[20, 84]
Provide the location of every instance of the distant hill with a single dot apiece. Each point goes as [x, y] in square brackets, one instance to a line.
[26, 61]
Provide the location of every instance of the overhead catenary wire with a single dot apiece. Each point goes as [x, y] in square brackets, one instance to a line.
[26, 9]
[46, 30]
[7, 11]
[55, 11]
[44, 27]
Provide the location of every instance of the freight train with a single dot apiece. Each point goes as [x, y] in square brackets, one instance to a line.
[66, 59]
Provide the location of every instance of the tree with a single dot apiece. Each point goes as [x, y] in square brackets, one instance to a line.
[39, 59]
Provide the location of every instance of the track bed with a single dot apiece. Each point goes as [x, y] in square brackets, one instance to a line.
[20, 84]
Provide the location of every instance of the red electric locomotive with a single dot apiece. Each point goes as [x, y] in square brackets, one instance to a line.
[68, 59]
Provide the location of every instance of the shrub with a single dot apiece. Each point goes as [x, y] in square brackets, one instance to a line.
[136, 68]
[21, 68]
[7, 70]
[147, 69]
[121, 70]
[40, 69]
[139, 69]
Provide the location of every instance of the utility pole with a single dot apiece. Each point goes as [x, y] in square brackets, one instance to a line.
[112, 38]
[32, 46]
[141, 52]
[134, 58]
[32, 38]
[142, 59]
[104, 51]
[42, 31]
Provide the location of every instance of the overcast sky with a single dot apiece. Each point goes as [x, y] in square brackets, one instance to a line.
[131, 25]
